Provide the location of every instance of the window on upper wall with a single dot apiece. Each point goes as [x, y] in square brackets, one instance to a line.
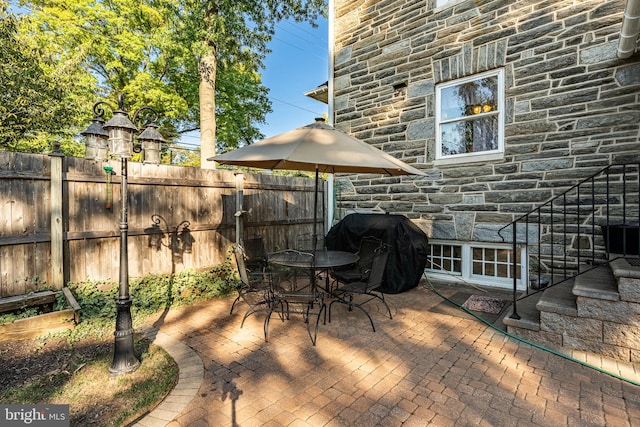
[440, 3]
[470, 117]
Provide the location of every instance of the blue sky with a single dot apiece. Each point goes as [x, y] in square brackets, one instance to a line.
[298, 62]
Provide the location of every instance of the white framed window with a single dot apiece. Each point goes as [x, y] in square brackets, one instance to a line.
[470, 118]
[445, 258]
[477, 263]
[494, 262]
[442, 3]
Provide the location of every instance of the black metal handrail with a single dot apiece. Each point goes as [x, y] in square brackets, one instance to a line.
[590, 224]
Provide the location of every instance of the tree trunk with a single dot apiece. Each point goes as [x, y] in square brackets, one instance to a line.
[207, 111]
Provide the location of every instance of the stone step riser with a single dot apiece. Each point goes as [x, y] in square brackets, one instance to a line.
[598, 313]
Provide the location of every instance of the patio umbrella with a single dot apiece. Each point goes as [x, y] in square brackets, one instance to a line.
[316, 147]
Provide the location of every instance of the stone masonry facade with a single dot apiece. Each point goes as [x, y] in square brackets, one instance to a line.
[571, 106]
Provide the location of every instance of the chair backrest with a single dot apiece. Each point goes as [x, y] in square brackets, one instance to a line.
[291, 269]
[376, 274]
[367, 250]
[238, 252]
[255, 253]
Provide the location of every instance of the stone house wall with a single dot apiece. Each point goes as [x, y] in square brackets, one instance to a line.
[572, 107]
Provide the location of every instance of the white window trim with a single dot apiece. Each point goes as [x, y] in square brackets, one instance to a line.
[482, 156]
[442, 4]
[466, 275]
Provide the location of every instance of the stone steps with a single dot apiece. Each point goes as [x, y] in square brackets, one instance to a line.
[598, 283]
[559, 299]
[594, 312]
[556, 299]
[528, 313]
[627, 274]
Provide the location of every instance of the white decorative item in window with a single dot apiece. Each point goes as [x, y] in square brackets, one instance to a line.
[470, 117]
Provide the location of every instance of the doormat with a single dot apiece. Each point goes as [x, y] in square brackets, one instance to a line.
[485, 304]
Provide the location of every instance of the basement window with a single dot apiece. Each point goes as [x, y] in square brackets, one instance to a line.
[445, 258]
[476, 263]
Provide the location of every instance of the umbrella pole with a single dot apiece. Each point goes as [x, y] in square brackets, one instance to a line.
[314, 240]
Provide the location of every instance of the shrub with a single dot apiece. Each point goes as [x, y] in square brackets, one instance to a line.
[149, 294]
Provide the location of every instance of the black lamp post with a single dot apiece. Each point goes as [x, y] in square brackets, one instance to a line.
[120, 132]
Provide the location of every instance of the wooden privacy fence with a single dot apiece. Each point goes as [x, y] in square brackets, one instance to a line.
[59, 218]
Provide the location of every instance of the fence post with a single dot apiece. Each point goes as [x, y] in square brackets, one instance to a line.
[239, 207]
[57, 257]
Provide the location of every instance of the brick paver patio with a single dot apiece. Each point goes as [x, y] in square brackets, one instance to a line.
[424, 367]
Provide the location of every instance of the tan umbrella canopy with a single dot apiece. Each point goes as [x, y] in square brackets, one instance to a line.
[316, 147]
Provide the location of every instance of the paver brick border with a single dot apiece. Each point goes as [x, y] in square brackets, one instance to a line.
[190, 379]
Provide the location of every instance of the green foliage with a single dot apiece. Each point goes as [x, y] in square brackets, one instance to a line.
[120, 46]
[26, 311]
[23, 313]
[241, 103]
[37, 92]
[150, 294]
[64, 56]
[61, 302]
[237, 32]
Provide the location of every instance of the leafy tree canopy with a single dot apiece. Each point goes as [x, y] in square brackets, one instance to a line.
[37, 93]
[75, 52]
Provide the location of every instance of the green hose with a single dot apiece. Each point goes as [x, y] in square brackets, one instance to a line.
[539, 346]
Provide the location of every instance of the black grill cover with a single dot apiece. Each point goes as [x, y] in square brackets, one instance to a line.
[408, 243]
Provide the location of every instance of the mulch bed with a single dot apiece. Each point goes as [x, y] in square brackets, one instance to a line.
[27, 360]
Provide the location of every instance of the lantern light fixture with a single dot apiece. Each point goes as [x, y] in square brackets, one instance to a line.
[96, 140]
[120, 131]
[151, 141]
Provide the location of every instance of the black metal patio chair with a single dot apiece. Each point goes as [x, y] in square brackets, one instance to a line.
[359, 293]
[359, 272]
[254, 287]
[304, 242]
[293, 290]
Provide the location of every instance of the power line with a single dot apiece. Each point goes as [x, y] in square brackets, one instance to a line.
[185, 144]
[295, 106]
[299, 37]
[298, 47]
[301, 28]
